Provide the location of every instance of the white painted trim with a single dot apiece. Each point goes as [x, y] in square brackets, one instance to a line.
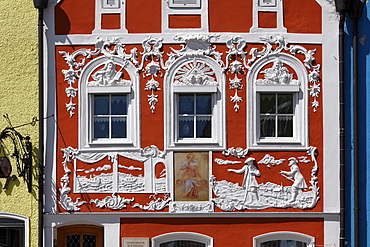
[191, 236]
[300, 138]
[133, 119]
[284, 235]
[26, 221]
[218, 139]
[277, 8]
[85, 39]
[100, 10]
[202, 11]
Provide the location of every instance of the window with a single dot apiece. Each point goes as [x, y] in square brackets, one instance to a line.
[14, 230]
[284, 239]
[108, 105]
[277, 115]
[184, 3]
[11, 232]
[109, 116]
[182, 239]
[194, 116]
[110, 4]
[195, 104]
[80, 236]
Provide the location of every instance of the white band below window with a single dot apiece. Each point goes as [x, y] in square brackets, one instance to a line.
[277, 88]
[109, 89]
[195, 89]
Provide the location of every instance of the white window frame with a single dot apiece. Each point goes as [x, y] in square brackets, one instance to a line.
[118, 8]
[187, 236]
[300, 110]
[172, 4]
[218, 136]
[22, 218]
[284, 235]
[275, 7]
[170, 8]
[85, 110]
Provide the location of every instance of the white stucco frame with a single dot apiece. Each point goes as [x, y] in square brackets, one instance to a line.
[310, 241]
[190, 236]
[133, 111]
[300, 119]
[218, 139]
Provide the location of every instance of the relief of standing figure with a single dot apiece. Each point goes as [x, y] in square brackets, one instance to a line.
[250, 182]
[296, 176]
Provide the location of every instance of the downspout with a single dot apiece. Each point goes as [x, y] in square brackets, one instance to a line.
[342, 240]
[355, 12]
[41, 5]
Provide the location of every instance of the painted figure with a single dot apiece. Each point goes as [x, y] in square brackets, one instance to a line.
[296, 176]
[190, 177]
[250, 182]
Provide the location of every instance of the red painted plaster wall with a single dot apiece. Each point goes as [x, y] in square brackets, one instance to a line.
[224, 231]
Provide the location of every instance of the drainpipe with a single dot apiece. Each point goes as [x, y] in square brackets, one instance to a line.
[341, 8]
[355, 12]
[41, 5]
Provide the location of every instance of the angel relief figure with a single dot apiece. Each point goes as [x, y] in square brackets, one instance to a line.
[108, 76]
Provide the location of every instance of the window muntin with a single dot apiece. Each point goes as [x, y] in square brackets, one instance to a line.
[109, 116]
[11, 232]
[276, 115]
[194, 116]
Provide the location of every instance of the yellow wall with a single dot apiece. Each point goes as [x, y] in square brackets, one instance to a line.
[19, 98]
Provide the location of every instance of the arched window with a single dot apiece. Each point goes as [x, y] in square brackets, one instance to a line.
[182, 239]
[195, 104]
[80, 236]
[284, 239]
[277, 114]
[13, 230]
[108, 104]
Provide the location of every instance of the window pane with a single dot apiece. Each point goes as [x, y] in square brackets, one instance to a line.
[186, 127]
[283, 243]
[101, 127]
[11, 236]
[186, 104]
[73, 240]
[182, 243]
[119, 128]
[267, 126]
[203, 104]
[89, 240]
[119, 106]
[267, 103]
[204, 127]
[285, 126]
[285, 103]
[101, 105]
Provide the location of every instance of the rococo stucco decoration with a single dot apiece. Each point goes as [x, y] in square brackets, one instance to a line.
[237, 61]
[252, 195]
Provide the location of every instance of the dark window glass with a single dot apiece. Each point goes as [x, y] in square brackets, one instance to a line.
[110, 116]
[195, 116]
[182, 243]
[283, 243]
[73, 240]
[276, 115]
[89, 240]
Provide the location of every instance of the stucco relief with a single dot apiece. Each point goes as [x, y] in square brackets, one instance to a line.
[252, 195]
[111, 178]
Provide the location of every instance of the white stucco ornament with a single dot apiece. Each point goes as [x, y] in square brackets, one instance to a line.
[252, 195]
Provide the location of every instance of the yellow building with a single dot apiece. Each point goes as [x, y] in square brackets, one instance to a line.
[19, 212]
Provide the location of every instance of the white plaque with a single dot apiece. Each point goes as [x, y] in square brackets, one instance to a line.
[135, 242]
